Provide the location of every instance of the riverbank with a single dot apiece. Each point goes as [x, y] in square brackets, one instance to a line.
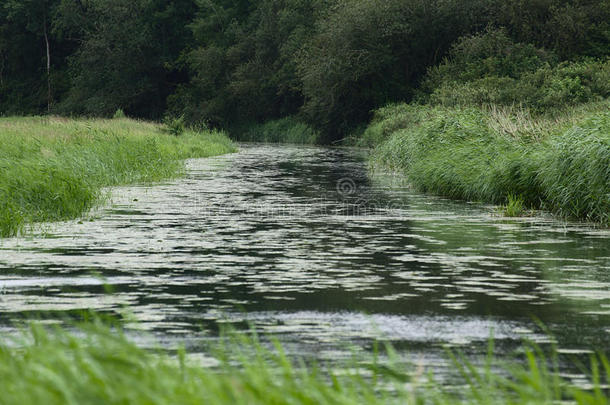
[55, 168]
[287, 130]
[558, 161]
[98, 364]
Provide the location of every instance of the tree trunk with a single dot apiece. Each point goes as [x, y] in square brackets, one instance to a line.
[48, 46]
[1, 70]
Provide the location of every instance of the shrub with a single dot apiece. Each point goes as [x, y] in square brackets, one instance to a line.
[548, 88]
[490, 53]
[489, 68]
[174, 125]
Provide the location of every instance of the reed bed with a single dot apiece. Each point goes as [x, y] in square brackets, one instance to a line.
[559, 162]
[53, 168]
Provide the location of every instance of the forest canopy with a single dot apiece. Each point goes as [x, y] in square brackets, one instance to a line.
[327, 63]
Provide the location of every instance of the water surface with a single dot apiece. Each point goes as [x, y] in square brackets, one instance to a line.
[306, 244]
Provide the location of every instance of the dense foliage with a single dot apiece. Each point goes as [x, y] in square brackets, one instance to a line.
[326, 62]
[490, 68]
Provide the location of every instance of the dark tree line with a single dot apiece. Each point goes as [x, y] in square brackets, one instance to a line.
[233, 62]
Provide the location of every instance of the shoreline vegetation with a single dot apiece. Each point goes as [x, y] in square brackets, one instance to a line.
[289, 130]
[507, 80]
[97, 363]
[501, 122]
[505, 155]
[501, 155]
[496, 121]
[519, 158]
[504, 101]
[55, 168]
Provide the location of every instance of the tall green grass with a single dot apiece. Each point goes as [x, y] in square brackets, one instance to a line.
[53, 168]
[559, 162]
[284, 130]
[96, 364]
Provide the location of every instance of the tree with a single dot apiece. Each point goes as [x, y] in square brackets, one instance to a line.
[35, 17]
[366, 53]
[126, 56]
[243, 67]
[569, 27]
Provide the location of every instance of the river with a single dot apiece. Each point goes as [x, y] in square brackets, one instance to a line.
[306, 244]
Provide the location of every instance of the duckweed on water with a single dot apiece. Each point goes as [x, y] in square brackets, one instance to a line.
[98, 364]
[54, 168]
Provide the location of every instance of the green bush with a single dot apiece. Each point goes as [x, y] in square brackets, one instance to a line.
[489, 68]
[548, 88]
[490, 53]
[514, 206]
[174, 125]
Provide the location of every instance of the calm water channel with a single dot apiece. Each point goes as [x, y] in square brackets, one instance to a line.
[306, 244]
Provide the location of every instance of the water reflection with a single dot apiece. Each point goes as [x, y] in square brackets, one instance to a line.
[303, 242]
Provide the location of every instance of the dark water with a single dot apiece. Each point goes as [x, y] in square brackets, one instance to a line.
[307, 244]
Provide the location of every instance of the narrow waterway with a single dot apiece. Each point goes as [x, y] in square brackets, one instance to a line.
[306, 244]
